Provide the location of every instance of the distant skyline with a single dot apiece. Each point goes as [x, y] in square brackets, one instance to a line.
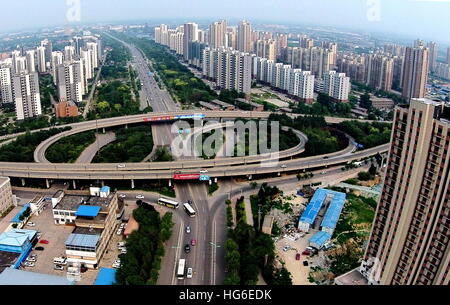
[425, 19]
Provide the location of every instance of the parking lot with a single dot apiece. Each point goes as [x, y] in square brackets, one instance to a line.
[55, 235]
[299, 272]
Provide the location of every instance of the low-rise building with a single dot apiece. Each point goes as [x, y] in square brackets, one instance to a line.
[382, 103]
[66, 109]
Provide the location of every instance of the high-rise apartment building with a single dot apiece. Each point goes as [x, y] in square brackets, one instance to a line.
[337, 86]
[71, 81]
[229, 69]
[69, 53]
[218, 34]
[6, 94]
[41, 63]
[25, 88]
[86, 58]
[244, 37]
[409, 240]
[380, 71]
[433, 54]
[448, 56]
[415, 74]
[31, 62]
[93, 48]
[266, 49]
[57, 59]
[302, 85]
[190, 34]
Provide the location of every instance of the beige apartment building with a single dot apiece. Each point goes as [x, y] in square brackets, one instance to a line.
[6, 196]
[409, 244]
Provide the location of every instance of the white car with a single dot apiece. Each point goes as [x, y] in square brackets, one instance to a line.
[122, 196]
[141, 197]
[203, 171]
[31, 260]
[29, 264]
[123, 251]
[33, 256]
[284, 166]
[31, 224]
[58, 267]
[121, 244]
[116, 266]
[188, 230]
[121, 166]
[189, 273]
[122, 225]
[119, 232]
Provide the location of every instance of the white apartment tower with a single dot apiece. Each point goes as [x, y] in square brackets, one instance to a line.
[244, 37]
[6, 95]
[71, 81]
[41, 63]
[25, 87]
[337, 86]
[190, 34]
[217, 34]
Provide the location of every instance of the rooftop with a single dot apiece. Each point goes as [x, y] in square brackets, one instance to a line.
[16, 218]
[73, 202]
[334, 210]
[353, 277]
[88, 211]
[320, 238]
[11, 276]
[314, 206]
[82, 240]
[16, 237]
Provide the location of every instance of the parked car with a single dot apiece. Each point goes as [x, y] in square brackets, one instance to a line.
[286, 248]
[31, 260]
[188, 230]
[31, 224]
[58, 267]
[203, 171]
[122, 196]
[116, 265]
[306, 252]
[121, 244]
[187, 249]
[39, 249]
[121, 166]
[33, 256]
[193, 242]
[123, 251]
[44, 242]
[119, 232]
[189, 273]
[305, 263]
[29, 264]
[83, 269]
[141, 197]
[297, 256]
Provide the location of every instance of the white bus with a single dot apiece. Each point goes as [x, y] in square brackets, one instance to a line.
[168, 203]
[189, 210]
[181, 266]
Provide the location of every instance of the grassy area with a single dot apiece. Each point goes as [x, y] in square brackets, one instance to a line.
[367, 134]
[212, 188]
[132, 144]
[22, 149]
[69, 149]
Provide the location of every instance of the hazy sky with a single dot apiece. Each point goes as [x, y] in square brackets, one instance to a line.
[427, 19]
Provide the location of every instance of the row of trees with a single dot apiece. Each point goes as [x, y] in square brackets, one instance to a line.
[367, 134]
[22, 149]
[145, 248]
[324, 106]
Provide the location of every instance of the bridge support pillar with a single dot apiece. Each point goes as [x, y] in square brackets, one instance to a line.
[170, 183]
[215, 180]
[250, 177]
[126, 126]
[210, 182]
[104, 131]
[74, 184]
[103, 183]
[47, 183]
[132, 184]
[23, 181]
[279, 174]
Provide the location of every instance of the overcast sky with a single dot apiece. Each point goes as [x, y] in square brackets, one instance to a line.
[427, 19]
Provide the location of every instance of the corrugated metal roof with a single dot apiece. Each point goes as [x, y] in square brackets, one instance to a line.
[11, 276]
[314, 206]
[83, 240]
[334, 210]
[16, 237]
[320, 238]
[88, 211]
[106, 277]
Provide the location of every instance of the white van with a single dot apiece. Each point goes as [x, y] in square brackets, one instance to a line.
[59, 261]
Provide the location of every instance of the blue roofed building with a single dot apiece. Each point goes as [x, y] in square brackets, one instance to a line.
[312, 210]
[319, 239]
[106, 277]
[333, 213]
[15, 246]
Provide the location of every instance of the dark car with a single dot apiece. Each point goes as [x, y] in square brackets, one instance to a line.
[39, 249]
[187, 249]
[305, 263]
[297, 257]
